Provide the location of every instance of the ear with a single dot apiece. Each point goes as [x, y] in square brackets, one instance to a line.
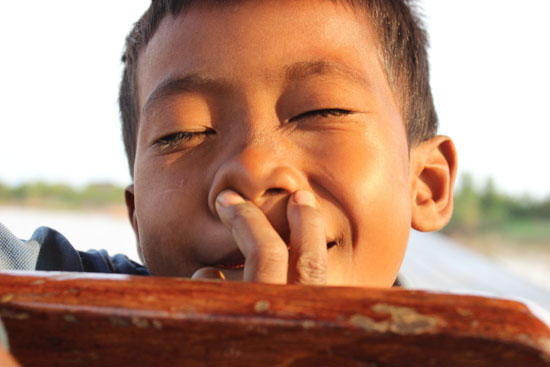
[433, 172]
[131, 207]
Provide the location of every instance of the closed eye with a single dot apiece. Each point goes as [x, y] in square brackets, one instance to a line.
[174, 140]
[327, 112]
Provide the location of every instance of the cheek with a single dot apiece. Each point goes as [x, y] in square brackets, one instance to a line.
[386, 217]
[164, 206]
[382, 238]
[369, 178]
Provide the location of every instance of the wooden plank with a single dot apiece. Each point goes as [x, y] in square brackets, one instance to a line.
[72, 319]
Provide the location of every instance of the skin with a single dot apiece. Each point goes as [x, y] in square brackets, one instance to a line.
[268, 134]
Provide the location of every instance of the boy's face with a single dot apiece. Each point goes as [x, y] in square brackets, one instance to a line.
[281, 96]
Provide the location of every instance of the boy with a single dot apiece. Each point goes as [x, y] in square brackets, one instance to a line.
[281, 141]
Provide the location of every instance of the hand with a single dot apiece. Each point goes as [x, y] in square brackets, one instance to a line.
[267, 258]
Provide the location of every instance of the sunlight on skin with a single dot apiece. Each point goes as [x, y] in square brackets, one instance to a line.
[469, 91]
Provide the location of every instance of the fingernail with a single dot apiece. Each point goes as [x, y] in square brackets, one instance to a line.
[304, 197]
[221, 275]
[208, 274]
[229, 198]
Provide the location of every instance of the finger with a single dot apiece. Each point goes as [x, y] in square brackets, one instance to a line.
[218, 274]
[308, 248]
[266, 254]
[208, 273]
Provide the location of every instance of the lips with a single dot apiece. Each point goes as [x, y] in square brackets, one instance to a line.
[235, 259]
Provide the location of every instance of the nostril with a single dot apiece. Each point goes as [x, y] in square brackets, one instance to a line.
[274, 191]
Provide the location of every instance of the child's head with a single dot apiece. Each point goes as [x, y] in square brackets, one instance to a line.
[269, 98]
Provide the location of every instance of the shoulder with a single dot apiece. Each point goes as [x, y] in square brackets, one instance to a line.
[57, 253]
[99, 261]
[49, 250]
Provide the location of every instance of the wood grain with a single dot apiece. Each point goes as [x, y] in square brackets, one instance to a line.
[72, 319]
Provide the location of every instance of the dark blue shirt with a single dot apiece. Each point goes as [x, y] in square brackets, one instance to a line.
[57, 253]
[48, 249]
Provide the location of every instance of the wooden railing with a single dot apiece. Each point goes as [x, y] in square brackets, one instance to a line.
[72, 319]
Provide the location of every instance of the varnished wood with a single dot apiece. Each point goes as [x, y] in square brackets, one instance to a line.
[71, 319]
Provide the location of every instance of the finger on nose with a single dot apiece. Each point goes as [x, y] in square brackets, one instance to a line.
[265, 252]
[229, 198]
[304, 197]
[227, 202]
[308, 249]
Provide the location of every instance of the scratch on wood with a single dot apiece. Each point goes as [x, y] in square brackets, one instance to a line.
[233, 352]
[9, 314]
[368, 324]
[117, 321]
[185, 309]
[157, 324]
[464, 312]
[257, 329]
[7, 297]
[524, 338]
[404, 321]
[70, 318]
[140, 323]
[75, 291]
[308, 324]
[38, 282]
[262, 306]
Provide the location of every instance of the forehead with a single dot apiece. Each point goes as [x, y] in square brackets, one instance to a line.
[255, 40]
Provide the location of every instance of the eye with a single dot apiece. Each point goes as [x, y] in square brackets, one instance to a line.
[325, 113]
[174, 140]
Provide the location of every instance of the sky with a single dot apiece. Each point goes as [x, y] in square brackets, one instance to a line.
[60, 70]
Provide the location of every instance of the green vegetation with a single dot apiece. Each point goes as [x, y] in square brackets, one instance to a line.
[486, 212]
[62, 196]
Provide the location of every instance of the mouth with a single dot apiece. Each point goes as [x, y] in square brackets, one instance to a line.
[236, 259]
[233, 260]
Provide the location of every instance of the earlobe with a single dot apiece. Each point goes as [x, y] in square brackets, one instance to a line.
[433, 171]
[131, 208]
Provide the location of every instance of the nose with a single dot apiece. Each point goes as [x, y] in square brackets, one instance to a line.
[263, 172]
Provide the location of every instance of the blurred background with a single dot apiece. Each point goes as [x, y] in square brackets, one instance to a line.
[63, 163]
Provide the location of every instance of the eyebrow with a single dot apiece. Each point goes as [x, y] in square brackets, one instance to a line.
[292, 73]
[306, 69]
[178, 85]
